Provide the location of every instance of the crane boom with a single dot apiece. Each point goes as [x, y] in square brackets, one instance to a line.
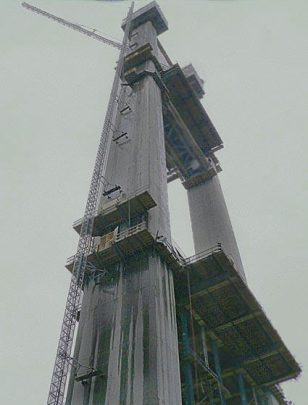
[76, 27]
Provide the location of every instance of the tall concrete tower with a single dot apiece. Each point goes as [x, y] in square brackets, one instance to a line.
[156, 327]
[127, 325]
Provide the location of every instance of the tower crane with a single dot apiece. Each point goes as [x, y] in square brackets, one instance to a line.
[64, 361]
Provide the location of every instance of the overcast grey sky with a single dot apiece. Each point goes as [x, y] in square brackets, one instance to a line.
[55, 85]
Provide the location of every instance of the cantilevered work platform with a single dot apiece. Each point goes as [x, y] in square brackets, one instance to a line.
[190, 137]
[119, 210]
[131, 242]
[115, 246]
[221, 302]
[191, 110]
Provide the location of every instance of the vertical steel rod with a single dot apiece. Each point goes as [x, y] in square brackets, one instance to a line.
[187, 366]
[218, 369]
[242, 389]
[254, 394]
[204, 346]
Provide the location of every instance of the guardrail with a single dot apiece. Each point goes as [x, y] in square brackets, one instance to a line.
[130, 231]
[176, 246]
[173, 248]
[202, 255]
[116, 238]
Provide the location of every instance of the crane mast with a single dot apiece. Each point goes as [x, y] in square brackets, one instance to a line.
[64, 360]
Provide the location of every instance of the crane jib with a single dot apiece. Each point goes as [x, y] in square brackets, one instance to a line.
[90, 33]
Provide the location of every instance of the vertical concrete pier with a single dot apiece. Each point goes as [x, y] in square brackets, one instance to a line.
[210, 220]
[127, 335]
[208, 211]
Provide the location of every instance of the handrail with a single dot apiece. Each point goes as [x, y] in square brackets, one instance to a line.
[173, 248]
[130, 231]
[205, 253]
[173, 251]
[178, 248]
[118, 237]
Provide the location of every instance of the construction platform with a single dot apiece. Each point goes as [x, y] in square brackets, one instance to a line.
[116, 211]
[210, 287]
[113, 247]
[190, 136]
[191, 110]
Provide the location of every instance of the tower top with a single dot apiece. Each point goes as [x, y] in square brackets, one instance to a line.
[150, 12]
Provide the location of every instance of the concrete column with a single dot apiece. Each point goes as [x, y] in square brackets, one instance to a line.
[210, 220]
[127, 326]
